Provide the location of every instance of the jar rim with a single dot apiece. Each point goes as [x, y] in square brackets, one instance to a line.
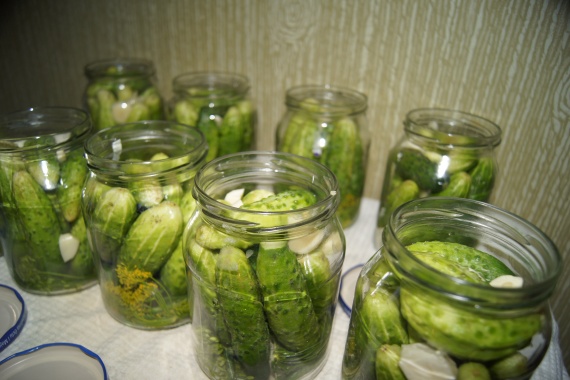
[123, 67]
[490, 221]
[43, 127]
[104, 149]
[211, 84]
[444, 126]
[266, 166]
[332, 99]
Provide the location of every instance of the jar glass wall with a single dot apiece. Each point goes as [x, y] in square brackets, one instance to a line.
[136, 200]
[264, 251]
[219, 104]
[442, 153]
[42, 174]
[457, 282]
[328, 124]
[121, 91]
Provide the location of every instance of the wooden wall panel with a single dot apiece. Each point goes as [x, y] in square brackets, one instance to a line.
[507, 60]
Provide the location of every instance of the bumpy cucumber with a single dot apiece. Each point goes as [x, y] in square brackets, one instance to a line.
[73, 174]
[344, 158]
[321, 285]
[484, 266]
[152, 237]
[232, 131]
[238, 295]
[387, 358]
[173, 273]
[207, 123]
[287, 200]
[210, 238]
[460, 332]
[38, 218]
[482, 179]
[413, 164]
[459, 185]
[287, 304]
[245, 108]
[112, 217]
[82, 263]
[406, 191]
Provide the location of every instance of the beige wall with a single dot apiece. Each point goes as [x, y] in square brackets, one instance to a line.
[506, 60]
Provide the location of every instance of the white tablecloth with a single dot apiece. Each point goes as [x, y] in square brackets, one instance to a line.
[129, 353]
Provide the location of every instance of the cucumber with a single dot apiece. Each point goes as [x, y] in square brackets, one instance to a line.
[459, 185]
[73, 174]
[173, 273]
[83, 263]
[482, 179]
[413, 164]
[232, 131]
[112, 217]
[152, 238]
[387, 358]
[345, 158]
[321, 285]
[242, 310]
[286, 299]
[38, 217]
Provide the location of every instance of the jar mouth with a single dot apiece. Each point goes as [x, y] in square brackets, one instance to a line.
[211, 84]
[451, 127]
[119, 67]
[326, 99]
[516, 242]
[130, 150]
[48, 127]
[264, 169]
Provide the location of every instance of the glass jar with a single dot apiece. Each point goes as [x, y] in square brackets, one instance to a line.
[442, 153]
[264, 250]
[42, 174]
[459, 284]
[328, 124]
[122, 91]
[219, 105]
[136, 200]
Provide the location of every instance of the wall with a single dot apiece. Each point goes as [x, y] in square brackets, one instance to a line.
[506, 60]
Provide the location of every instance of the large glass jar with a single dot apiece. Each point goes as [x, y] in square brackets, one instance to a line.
[264, 251]
[328, 124]
[218, 104]
[459, 286]
[136, 200]
[41, 177]
[121, 91]
[442, 153]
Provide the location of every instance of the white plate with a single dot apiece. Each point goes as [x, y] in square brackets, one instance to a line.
[54, 361]
[13, 315]
[348, 286]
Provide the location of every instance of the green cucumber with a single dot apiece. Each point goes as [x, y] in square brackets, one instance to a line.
[242, 310]
[173, 273]
[482, 179]
[413, 164]
[286, 299]
[39, 220]
[152, 238]
[73, 174]
[387, 358]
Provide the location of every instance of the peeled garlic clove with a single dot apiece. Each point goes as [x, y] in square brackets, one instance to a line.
[419, 361]
[68, 246]
[234, 197]
[507, 281]
[307, 243]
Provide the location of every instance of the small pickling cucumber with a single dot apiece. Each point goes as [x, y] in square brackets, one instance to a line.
[39, 219]
[458, 186]
[231, 132]
[173, 273]
[238, 295]
[152, 237]
[288, 306]
[413, 164]
[482, 179]
[321, 284]
[73, 174]
[345, 158]
[387, 358]
[112, 217]
[209, 237]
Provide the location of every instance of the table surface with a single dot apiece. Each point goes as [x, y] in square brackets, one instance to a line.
[130, 353]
